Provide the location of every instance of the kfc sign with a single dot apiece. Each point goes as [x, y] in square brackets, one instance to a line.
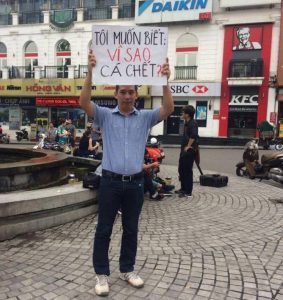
[244, 100]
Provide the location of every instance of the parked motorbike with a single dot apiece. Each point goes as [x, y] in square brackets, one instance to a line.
[4, 138]
[276, 144]
[270, 167]
[22, 135]
[153, 151]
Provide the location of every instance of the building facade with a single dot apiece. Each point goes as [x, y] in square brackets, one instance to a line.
[277, 116]
[43, 60]
[222, 53]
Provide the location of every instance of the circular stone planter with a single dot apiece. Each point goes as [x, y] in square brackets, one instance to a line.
[35, 169]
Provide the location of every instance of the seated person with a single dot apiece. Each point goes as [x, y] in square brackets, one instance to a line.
[149, 170]
[85, 146]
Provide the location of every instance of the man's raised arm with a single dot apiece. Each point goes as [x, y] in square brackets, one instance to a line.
[167, 104]
[85, 96]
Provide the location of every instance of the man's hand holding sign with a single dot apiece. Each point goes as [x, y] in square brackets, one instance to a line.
[127, 57]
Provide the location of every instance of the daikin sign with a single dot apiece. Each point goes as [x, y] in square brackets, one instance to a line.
[152, 11]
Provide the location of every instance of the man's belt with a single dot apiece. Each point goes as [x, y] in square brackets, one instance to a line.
[121, 177]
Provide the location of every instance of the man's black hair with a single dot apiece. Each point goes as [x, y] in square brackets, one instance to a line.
[117, 88]
[190, 110]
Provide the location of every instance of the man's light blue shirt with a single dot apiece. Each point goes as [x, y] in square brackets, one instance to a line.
[124, 137]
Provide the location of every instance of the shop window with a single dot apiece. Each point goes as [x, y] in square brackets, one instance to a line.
[174, 123]
[64, 4]
[28, 116]
[42, 119]
[126, 9]
[31, 59]
[3, 58]
[94, 10]
[30, 11]
[63, 58]
[4, 115]
[32, 5]
[77, 116]
[201, 113]
[5, 12]
[246, 68]
[186, 57]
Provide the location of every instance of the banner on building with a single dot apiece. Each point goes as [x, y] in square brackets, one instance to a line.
[172, 11]
[41, 87]
[17, 101]
[57, 101]
[201, 89]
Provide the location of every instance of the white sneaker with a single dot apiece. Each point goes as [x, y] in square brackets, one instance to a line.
[133, 279]
[101, 286]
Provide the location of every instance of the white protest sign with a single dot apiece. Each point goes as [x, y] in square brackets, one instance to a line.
[129, 55]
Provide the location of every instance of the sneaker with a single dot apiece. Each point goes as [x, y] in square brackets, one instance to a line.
[157, 197]
[184, 195]
[133, 279]
[180, 191]
[101, 286]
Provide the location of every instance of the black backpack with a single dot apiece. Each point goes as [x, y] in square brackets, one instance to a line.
[91, 181]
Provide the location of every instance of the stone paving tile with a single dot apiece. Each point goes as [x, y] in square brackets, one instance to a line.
[222, 244]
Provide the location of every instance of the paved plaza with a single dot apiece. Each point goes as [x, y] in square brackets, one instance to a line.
[224, 243]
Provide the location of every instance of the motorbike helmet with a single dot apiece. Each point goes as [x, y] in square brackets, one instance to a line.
[153, 141]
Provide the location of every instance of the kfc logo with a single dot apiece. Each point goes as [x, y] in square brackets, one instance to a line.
[200, 89]
[244, 100]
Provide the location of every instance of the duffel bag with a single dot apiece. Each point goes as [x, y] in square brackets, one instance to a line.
[91, 181]
[214, 180]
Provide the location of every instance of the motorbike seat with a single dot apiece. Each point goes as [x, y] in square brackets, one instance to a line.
[266, 157]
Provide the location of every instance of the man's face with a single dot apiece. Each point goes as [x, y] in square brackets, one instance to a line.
[244, 35]
[184, 116]
[126, 96]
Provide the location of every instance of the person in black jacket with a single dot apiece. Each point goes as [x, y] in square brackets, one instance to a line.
[189, 147]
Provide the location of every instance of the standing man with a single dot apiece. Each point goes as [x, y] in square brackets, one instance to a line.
[124, 132]
[189, 147]
[72, 132]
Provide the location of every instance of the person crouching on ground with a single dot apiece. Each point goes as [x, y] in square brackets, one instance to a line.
[149, 170]
[124, 132]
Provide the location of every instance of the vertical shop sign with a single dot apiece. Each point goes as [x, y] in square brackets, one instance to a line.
[272, 118]
[14, 118]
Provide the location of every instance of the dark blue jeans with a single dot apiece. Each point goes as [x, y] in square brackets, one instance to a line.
[115, 194]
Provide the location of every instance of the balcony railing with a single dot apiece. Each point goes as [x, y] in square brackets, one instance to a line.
[49, 72]
[63, 18]
[185, 72]
[97, 13]
[5, 19]
[32, 17]
[21, 72]
[247, 68]
[56, 72]
[127, 11]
